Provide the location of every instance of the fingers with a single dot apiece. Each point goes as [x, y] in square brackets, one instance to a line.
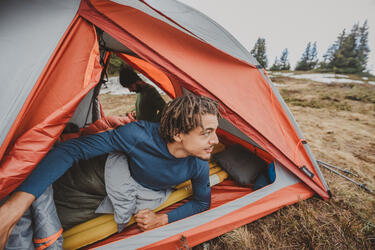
[143, 212]
[142, 223]
[144, 219]
[143, 216]
[143, 227]
[147, 220]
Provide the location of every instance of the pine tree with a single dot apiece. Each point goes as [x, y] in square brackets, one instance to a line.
[309, 58]
[345, 60]
[331, 55]
[276, 65]
[302, 64]
[328, 57]
[313, 56]
[259, 52]
[349, 54]
[363, 48]
[284, 61]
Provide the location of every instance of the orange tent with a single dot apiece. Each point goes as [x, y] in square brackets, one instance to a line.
[57, 51]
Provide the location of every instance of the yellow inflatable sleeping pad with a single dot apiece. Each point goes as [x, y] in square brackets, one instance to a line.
[103, 226]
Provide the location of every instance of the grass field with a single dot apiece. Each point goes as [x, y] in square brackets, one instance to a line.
[338, 122]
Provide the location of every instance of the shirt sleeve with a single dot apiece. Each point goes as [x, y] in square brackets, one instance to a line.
[201, 200]
[61, 157]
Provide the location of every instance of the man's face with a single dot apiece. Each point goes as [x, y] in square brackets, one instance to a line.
[200, 141]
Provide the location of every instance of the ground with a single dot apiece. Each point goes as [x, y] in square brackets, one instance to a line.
[338, 122]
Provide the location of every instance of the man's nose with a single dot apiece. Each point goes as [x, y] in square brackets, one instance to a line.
[214, 139]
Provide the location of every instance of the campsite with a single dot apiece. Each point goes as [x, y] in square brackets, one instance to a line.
[338, 120]
[259, 184]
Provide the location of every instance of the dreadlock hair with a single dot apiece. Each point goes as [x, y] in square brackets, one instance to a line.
[184, 114]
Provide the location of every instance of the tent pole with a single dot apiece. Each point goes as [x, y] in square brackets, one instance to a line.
[342, 170]
[363, 185]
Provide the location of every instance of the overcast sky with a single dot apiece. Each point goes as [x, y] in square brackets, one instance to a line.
[290, 23]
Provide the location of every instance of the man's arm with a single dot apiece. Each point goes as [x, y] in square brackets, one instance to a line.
[62, 157]
[201, 198]
[54, 165]
[11, 211]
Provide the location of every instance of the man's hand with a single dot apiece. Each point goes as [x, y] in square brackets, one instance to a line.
[146, 219]
[11, 211]
[131, 116]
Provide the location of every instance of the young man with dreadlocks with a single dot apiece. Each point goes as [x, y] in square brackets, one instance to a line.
[160, 156]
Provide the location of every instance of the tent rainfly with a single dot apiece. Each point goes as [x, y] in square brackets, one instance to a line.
[52, 57]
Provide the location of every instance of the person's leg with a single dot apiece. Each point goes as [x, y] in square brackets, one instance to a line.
[47, 227]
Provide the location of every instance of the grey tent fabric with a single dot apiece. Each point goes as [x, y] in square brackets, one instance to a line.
[203, 27]
[229, 127]
[83, 114]
[34, 33]
[196, 24]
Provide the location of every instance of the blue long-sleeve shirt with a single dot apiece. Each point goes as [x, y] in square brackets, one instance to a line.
[150, 163]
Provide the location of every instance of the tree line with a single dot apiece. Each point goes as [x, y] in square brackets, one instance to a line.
[348, 54]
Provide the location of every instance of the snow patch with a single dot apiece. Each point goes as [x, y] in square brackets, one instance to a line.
[323, 78]
[113, 86]
[278, 84]
[342, 76]
[282, 73]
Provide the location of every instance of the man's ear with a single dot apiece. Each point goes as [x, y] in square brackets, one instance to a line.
[177, 137]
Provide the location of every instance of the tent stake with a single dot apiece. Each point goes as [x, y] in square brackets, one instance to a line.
[363, 185]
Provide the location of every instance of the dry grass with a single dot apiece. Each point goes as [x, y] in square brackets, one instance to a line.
[310, 224]
[120, 104]
[117, 104]
[338, 121]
